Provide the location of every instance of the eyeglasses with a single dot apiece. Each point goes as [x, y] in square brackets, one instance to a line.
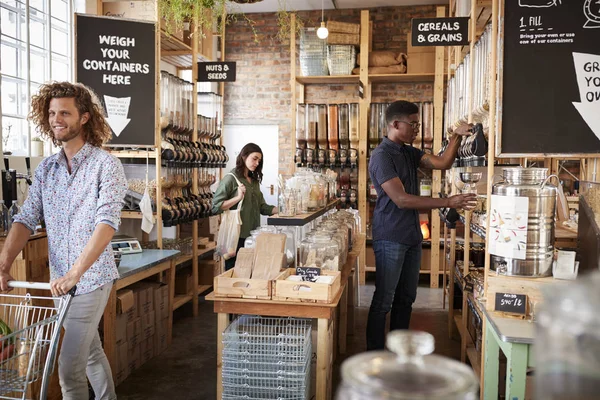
[413, 124]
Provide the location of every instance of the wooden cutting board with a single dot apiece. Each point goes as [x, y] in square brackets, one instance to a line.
[268, 266]
[244, 263]
[269, 247]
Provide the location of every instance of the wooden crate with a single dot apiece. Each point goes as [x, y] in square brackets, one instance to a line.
[227, 286]
[532, 287]
[343, 27]
[343, 38]
[306, 291]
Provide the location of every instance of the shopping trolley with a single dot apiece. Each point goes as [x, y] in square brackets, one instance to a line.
[28, 353]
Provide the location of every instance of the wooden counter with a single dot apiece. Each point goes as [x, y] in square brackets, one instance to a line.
[134, 268]
[324, 313]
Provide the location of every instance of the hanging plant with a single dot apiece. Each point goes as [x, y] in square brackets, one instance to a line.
[181, 12]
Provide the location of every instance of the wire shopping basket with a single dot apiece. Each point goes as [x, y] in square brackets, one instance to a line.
[29, 339]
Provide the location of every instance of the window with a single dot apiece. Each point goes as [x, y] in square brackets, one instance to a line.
[35, 47]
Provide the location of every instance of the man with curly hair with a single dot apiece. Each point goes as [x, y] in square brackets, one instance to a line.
[79, 194]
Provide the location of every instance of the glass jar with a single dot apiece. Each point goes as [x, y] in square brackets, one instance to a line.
[301, 126]
[290, 243]
[374, 125]
[343, 127]
[340, 235]
[311, 126]
[250, 241]
[567, 346]
[322, 127]
[332, 127]
[321, 251]
[287, 203]
[409, 371]
[353, 125]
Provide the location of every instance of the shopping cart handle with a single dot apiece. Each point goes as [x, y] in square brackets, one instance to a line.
[36, 285]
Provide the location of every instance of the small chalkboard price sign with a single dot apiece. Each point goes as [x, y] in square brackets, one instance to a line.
[308, 273]
[511, 303]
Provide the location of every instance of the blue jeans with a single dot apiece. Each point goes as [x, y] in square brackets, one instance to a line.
[396, 280]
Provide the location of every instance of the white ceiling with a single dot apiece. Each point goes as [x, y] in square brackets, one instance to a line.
[301, 5]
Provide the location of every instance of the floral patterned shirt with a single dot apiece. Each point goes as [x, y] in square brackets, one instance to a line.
[72, 205]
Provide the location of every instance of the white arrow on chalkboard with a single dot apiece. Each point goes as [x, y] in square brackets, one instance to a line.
[587, 68]
[117, 109]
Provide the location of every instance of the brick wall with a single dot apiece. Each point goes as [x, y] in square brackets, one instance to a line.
[262, 94]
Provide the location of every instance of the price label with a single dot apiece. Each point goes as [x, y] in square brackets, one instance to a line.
[511, 303]
[309, 274]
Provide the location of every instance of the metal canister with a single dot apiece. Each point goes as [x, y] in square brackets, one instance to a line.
[534, 184]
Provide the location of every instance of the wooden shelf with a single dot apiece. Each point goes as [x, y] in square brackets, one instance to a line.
[131, 214]
[183, 259]
[177, 53]
[133, 153]
[475, 359]
[203, 288]
[396, 78]
[303, 219]
[458, 322]
[181, 299]
[370, 269]
[207, 250]
[323, 80]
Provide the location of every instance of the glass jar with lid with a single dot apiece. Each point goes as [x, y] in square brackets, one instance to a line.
[409, 371]
[250, 241]
[290, 243]
[321, 251]
[340, 235]
[287, 203]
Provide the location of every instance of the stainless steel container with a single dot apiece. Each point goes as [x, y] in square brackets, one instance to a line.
[532, 183]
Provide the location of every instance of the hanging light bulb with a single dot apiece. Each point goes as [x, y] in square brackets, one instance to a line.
[322, 32]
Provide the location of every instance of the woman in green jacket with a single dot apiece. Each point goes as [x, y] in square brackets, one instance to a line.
[248, 171]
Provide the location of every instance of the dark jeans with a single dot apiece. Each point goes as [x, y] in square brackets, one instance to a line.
[396, 280]
[231, 262]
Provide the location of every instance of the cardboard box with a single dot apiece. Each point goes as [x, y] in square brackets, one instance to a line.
[121, 329]
[161, 336]
[134, 332]
[161, 302]
[134, 358]
[147, 350]
[147, 326]
[421, 63]
[132, 313]
[183, 283]
[125, 300]
[122, 371]
[207, 270]
[144, 292]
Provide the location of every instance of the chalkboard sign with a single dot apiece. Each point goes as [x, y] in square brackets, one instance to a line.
[216, 71]
[551, 77]
[511, 303]
[308, 273]
[440, 31]
[116, 58]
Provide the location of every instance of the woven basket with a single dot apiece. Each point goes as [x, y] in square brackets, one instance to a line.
[343, 27]
[343, 38]
[313, 53]
[341, 59]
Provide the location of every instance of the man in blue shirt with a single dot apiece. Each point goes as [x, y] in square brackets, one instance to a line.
[396, 232]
